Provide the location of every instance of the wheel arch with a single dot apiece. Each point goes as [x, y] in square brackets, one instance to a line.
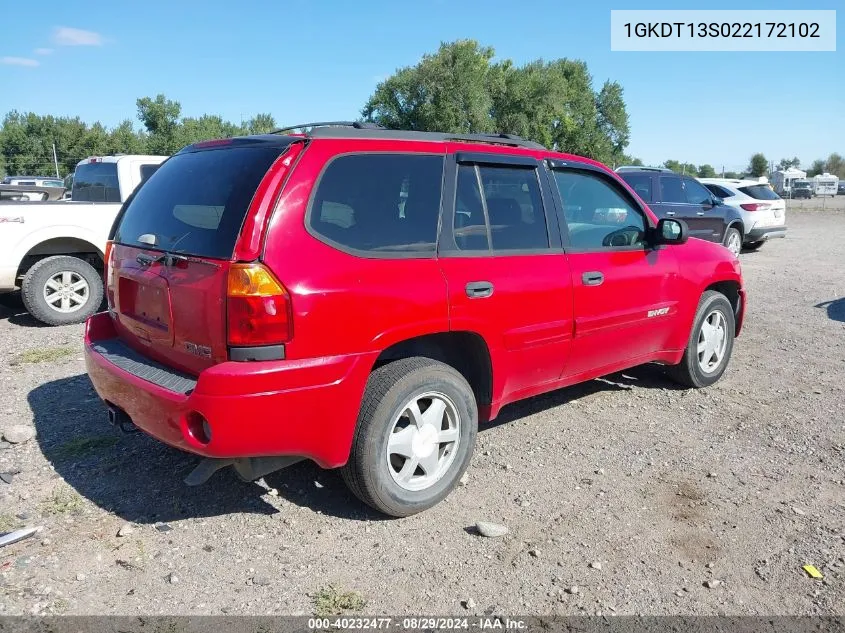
[465, 351]
[732, 290]
[48, 244]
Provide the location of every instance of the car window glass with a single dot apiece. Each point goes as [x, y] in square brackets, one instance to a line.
[672, 190]
[380, 202]
[598, 216]
[641, 183]
[514, 208]
[696, 193]
[470, 226]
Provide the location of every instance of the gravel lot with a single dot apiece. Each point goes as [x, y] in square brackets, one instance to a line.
[663, 491]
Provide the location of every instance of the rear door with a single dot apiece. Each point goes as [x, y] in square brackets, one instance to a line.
[172, 248]
[507, 276]
[625, 292]
[685, 199]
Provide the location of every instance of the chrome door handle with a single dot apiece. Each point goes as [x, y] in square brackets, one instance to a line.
[700, 213]
[670, 213]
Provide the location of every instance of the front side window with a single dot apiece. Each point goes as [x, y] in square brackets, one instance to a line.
[379, 202]
[598, 215]
[499, 208]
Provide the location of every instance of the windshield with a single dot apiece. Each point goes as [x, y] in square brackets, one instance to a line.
[96, 182]
[195, 203]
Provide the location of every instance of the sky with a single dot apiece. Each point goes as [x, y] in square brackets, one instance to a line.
[320, 60]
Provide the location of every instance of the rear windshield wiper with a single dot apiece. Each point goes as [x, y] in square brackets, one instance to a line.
[167, 258]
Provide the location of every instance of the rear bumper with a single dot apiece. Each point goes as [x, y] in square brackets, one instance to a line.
[765, 233]
[305, 408]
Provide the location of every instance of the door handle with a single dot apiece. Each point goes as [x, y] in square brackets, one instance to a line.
[670, 213]
[699, 213]
[592, 278]
[479, 289]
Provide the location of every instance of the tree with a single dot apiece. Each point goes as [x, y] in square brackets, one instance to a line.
[160, 117]
[681, 168]
[459, 89]
[261, 124]
[732, 175]
[835, 165]
[758, 165]
[786, 163]
[706, 171]
[447, 91]
[816, 168]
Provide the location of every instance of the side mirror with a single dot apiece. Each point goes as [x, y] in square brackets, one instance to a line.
[671, 231]
[715, 201]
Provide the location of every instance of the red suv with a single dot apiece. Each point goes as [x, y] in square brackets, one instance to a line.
[364, 297]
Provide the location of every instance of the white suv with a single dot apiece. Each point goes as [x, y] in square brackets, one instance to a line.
[763, 211]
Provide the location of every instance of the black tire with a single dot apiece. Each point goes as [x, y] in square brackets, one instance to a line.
[689, 372]
[389, 389]
[32, 289]
[753, 246]
[733, 234]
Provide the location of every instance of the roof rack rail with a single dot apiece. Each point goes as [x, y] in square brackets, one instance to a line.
[358, 125]
[377, 132]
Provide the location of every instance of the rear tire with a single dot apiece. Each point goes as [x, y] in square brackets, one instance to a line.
[753, 246]
[707, 354]
[404, 459]
[61, 290]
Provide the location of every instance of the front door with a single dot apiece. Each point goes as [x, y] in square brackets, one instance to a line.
[507, 276]
[625, 292]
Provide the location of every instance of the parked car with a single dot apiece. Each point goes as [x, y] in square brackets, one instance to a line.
[672, 195]
[763, 211]
[33, 181]
[802, 189]
[53, 251]
[364, 298]
[840, 188]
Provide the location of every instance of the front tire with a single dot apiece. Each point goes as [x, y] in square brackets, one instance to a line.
[733, 241]
[710, 343]
[414, 438]
[61, 290]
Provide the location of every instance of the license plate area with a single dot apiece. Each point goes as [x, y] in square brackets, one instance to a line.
[144, 306]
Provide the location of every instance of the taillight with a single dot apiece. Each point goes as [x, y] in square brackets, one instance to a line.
[258, 308]
[109, 274]
[755, 206]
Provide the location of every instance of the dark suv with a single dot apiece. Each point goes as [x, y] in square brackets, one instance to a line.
[671, 195]
[364, 298]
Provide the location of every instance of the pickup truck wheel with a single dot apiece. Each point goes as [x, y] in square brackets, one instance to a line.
[710, 344]
[414, 438]
[61, 290]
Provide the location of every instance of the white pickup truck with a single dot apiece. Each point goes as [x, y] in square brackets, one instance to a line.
[53, 251]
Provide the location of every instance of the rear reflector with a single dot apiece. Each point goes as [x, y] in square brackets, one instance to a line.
[109, 281]
[258, 307]
[755, 206]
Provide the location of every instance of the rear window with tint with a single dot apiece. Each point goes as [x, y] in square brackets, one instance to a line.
[96, 182]
[195, 203]
[760, 192]
[379, 202]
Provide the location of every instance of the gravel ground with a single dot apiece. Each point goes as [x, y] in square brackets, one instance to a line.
[622, 496]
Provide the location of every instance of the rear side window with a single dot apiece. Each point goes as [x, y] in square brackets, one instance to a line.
[147, 171]
[641, 183]
[760, 192]
[696, 193]
[197, 202]
[510, 197]
[96, 182]
[379, 202]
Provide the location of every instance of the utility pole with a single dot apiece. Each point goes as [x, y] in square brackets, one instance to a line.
[56, 161]
[723, 171]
